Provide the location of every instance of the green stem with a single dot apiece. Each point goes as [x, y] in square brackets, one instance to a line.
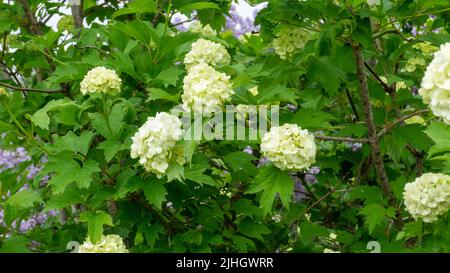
[24, 132]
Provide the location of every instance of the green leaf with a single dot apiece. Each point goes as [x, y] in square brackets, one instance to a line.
[137, 6]
[329, 75]
[277, 93]
[370, 194]
[72, 142]
[23, 199]
[116, 125]
[375, 214]
[241, 161]
[309, 231]
[252, 229]
[242, 243]
[155, 192]
[41, 118]
[95, 221]
[112, 147]
[66, 170]
[271, 180]
[15, 244]
[439, 133]
[195, 173]
[175, 171]
[311, 119]
[192, 237]
[169, 76]
[151, 233]
[159, 94]
[410, 230]
[197, 6]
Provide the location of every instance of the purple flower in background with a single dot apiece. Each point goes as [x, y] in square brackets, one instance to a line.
[291, 107]
[355, 147]
[240, 24]
[300, 191]
[263, 161]
[10, 159]
[248, 150]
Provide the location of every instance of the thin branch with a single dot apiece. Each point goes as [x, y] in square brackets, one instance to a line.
[386, 87]
[352, 104]
[323, 197]
[386, 128]
[343, 139]
[26, 89]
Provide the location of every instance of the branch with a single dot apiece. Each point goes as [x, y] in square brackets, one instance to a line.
[25, 89]
[343, 139]
[77, 15]
[333, 189]
[399, 120]
[352, 104]
[386, 87]
[34, 26]
[372, 134]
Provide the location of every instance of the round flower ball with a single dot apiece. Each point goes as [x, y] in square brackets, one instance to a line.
[435, 87]
[108, 244]
[205, 51]
[428, 196]
[205, 90]
[289, 40]
[154, 143]
[100, 80]
[289, 147]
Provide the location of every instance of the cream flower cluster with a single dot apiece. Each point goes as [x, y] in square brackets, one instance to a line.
[289, 40]
[100, 80]
[435, 88]
[205, 89]
[154, 143]
[289, 147]
[197, 27]
[428, 196]
[205, 51]
[108, 244]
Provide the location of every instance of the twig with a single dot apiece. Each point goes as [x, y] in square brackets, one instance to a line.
[399, 120]
[343, 139]
[386, 87]
[26, 89]
[323, 197]
[352, 104]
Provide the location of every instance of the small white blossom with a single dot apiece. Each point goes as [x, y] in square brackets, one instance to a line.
[205, 89]
[154, 143]
[108, 244]
[100, 80]
[205, 51]
[435, 88]
[428, 196]
[289, 147]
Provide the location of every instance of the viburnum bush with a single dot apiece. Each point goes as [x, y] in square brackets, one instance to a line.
[95, 154]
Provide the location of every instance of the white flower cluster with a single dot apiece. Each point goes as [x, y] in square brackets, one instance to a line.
[197, 27]
[435, 88]
[428, 196]
[154, 143]
[108, 244]
[289, 147]
[100, 80]
[205, 89]
[205, 51]
[289, 40]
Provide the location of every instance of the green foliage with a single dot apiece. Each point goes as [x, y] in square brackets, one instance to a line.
[223, 198]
